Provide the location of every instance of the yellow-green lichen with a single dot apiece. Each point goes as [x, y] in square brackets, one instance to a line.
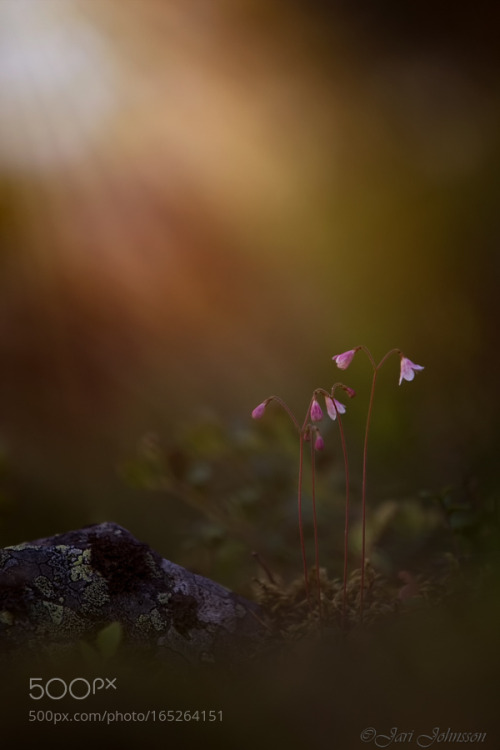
[72, 624]
[55, 611]
[164, 597]
[148, 623]
[95, 595]
[157, 620]
[44, 585]
[143, 624]
[81, 570]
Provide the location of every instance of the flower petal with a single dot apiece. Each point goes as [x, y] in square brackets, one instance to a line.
[344, 360]
[408, 369]
[330, 407]
[340, 407]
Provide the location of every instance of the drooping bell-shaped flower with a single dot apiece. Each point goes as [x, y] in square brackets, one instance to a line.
[408, 369]
[344, 360]
[334, 407]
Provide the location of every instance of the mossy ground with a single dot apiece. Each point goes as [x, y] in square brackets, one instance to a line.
[295, 610]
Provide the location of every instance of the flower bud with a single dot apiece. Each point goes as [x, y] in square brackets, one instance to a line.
[319, 443]
[259, 410]
[316, 413]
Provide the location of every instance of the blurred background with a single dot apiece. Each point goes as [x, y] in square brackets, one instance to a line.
[202, 203]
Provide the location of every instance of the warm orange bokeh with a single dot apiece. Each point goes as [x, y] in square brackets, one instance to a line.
[201, 205]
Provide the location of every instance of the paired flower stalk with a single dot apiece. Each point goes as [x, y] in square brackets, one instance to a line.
[309, 432]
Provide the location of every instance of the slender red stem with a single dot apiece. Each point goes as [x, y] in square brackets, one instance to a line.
[315, 524]
[376, 368]
[287, 409]
[302, 433]
[301, 529]
[346, 529]
[363, 493]
[347, 483]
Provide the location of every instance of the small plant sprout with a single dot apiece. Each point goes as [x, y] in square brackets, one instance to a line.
[407, 372]
[309, 432]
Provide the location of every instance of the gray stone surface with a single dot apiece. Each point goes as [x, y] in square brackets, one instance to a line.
[57, 591]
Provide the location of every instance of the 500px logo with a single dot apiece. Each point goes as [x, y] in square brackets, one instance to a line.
[79, 688]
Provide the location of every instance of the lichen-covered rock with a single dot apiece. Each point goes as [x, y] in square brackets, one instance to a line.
[57, 591]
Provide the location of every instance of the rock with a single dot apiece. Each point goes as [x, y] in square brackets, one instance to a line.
[57, 591]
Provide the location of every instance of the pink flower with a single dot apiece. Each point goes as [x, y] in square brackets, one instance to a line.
[259, 410]
[316, 413]
[408, 369]
[331, 403]
[344, 360]
[319, 443]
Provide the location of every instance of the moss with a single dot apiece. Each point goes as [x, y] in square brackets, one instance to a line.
[290, 614]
